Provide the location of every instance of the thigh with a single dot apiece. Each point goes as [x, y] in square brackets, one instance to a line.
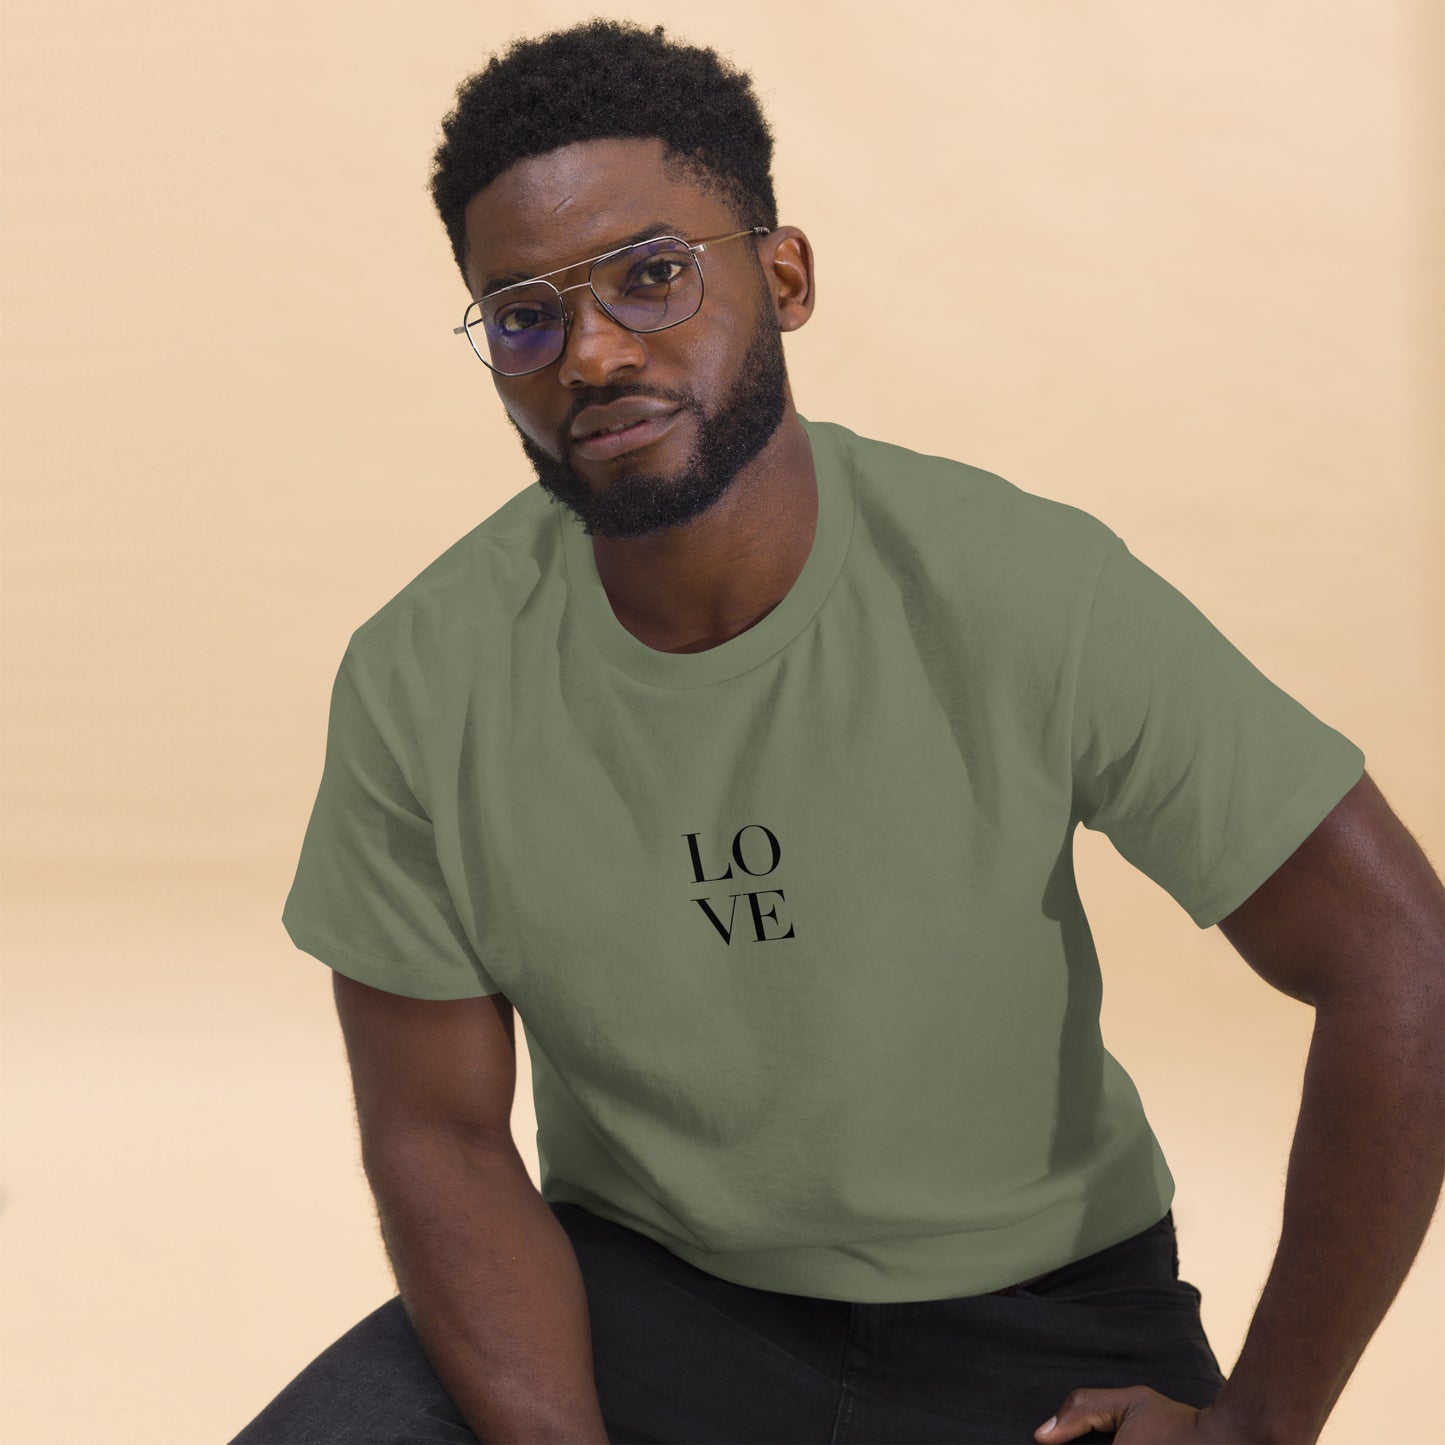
[373, 1386]
[992, 1368]
[681, 1356]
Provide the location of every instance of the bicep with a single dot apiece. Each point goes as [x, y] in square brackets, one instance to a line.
[423, 1067]
[1356, 909]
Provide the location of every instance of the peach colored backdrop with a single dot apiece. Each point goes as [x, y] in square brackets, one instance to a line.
[1189, 280]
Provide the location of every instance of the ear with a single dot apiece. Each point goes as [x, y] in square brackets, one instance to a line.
[787, 258]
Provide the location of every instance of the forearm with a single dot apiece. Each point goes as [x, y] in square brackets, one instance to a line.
[491, 1285]
[1365, 1172]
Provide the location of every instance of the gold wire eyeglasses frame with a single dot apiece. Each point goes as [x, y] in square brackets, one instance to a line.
[592, 262]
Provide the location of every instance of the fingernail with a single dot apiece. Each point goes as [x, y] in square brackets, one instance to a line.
[1048, 1425]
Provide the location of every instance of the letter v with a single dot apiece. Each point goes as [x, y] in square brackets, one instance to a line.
[727, 933]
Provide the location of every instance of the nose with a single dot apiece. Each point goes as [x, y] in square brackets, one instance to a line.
[597, 346]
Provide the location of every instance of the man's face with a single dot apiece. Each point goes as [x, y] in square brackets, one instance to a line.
[723, 369]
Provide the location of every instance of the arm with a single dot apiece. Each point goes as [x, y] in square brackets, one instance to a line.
[487, 1276]
[1353, 924]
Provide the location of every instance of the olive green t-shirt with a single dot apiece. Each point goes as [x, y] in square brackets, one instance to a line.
[791, 924]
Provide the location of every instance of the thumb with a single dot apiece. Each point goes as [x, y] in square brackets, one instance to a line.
[1085, 1410]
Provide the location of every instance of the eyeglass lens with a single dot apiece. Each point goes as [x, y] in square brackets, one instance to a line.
[647, 287]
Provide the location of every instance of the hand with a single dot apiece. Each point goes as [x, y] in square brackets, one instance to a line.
[1140, 1416]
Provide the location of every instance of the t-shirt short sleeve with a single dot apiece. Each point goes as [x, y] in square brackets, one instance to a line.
[369, 897]
[1200, 770]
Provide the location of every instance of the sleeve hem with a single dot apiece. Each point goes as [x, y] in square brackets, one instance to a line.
[378, 974]
[1309, 806]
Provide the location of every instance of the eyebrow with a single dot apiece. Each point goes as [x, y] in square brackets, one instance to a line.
[657, 228]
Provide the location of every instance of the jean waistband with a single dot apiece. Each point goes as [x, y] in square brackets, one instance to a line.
[1163, 1226]
[1023, 1283]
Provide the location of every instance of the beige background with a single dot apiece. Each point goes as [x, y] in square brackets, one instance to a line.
[1188, 278]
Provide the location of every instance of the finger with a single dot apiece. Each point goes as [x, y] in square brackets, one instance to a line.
[1085, 1410]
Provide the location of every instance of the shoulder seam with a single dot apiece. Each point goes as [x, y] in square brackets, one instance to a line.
[1076, 650]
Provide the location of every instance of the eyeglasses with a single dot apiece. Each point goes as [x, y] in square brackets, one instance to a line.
[647, 286]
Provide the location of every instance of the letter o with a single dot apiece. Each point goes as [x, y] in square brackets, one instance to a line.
[738, 850]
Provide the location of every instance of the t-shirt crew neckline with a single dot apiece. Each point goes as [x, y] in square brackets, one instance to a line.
[831, 535]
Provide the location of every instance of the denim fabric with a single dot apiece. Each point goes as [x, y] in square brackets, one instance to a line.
[683, 1356]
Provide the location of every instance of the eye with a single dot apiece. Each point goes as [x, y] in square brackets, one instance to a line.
[515, 319]
[653, 272]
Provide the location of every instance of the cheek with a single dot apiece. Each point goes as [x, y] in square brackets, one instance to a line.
[730, 320]
[702, 362]
[514, 414]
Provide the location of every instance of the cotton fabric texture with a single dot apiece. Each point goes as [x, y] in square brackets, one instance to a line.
[791, 924]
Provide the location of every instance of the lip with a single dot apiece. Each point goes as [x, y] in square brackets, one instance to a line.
[639, 434]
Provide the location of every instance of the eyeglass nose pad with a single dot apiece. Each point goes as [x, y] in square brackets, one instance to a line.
[571, 312]
[589, 291]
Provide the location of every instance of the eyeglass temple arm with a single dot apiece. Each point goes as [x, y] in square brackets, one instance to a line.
[718, 240]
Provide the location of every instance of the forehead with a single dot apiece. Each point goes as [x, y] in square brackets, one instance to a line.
[573, 203]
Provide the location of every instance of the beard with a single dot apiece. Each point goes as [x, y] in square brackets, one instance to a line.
[634, 501]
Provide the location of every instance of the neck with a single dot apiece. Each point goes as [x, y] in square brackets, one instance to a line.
[692, 587]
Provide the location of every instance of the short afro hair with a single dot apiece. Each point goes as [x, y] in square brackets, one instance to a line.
[602, 79]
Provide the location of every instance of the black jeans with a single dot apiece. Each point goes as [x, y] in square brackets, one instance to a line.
[680, 1356]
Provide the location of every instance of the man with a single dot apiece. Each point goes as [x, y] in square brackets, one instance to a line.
[742, 755]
